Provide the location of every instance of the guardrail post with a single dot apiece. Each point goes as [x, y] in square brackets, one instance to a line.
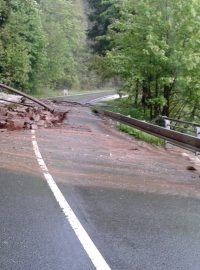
[198, 136]
[167, 126]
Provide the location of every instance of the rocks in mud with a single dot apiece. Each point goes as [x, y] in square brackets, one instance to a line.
[191, 168]
[16, 117]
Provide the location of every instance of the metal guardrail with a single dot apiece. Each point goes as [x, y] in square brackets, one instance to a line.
[177, 138]
[180, 121]
[188, 127]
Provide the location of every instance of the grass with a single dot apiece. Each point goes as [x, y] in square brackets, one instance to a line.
[141, 135]
[125, 106]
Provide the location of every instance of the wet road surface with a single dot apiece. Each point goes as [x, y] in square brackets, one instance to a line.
[139, 204]
[33, 232]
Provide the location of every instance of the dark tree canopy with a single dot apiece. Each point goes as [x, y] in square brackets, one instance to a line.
[101, 16]
[154, 50]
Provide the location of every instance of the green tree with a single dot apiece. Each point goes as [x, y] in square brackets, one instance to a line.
[155, 51]
[42, 43]
[101, 16]
[4, 12]
[21, 44]
[66, 39]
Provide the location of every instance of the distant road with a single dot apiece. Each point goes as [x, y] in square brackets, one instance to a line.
[85, 98]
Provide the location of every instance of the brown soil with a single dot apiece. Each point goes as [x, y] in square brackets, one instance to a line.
[89, 151]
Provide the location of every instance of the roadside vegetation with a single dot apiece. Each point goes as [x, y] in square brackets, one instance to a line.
[141, 135]
[125, 106]
[43, 46]
[151, 48]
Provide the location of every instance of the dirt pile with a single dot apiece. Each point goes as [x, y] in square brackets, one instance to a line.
[24, 114]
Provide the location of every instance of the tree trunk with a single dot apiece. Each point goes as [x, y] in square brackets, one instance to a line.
[167, 94]
[136, 93]
[156, 106]
[193, 112]
[144, 95]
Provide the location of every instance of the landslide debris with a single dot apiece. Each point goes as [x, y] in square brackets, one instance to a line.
[17, 112]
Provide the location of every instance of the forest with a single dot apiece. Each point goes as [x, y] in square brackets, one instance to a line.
[149, 49]
[152, 47]
[42, 44]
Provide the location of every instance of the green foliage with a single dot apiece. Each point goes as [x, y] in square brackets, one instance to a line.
[125, 107]
[101, 16]
[65, 40]
[43, 44]
[155, 52]
[141, 135]
[4, 11]
[21, 45]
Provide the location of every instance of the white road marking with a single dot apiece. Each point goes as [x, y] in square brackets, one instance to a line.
[104, 98]
[90, 248]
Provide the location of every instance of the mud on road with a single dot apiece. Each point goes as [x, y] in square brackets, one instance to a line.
[89, 151]
[136, 201]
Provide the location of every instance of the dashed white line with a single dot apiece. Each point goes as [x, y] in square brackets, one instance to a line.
[90, 248]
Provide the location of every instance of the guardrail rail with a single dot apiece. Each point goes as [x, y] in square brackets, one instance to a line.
[183, 126]
[180, 139]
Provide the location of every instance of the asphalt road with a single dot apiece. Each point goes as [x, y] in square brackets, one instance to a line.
[85, 98]
[140, 213]
[33, 232]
